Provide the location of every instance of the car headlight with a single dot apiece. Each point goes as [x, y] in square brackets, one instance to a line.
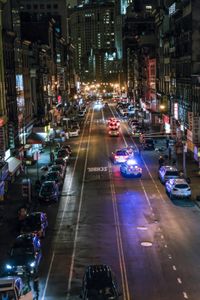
[32, 265]
[8, 267]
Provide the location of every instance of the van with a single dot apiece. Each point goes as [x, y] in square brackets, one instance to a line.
[13, 288]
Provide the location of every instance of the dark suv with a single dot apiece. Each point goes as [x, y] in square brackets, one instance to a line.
[99, 283]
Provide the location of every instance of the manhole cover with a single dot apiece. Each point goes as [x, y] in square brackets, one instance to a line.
[146, 244]
[141, 228]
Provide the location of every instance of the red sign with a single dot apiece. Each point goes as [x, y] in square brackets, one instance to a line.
[2, 122]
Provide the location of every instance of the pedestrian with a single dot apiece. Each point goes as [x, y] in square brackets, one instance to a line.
[52, 157]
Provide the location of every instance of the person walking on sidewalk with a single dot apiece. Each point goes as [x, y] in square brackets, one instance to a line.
[52, 157]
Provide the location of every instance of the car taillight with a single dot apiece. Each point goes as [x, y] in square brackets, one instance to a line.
[116, 156]
[126, 156]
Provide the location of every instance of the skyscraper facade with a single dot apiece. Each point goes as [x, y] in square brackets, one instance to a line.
[93, 34]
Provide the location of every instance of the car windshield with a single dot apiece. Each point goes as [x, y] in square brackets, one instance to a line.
[47, 189]
[57, 168]
[32, 223]
[121, 153]
[52, 176]
[62, 152]
[171, 173]
[181, 186]
[18, 251]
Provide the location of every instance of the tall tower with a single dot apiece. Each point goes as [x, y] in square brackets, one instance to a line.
[3, 112]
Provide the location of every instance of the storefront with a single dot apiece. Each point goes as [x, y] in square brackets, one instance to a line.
[14, 165]
[4, 174]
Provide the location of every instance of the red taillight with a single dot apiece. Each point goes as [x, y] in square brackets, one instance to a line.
[116, 156]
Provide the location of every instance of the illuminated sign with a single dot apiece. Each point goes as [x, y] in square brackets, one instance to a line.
[176, 111]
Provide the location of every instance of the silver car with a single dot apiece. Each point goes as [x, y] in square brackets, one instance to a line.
[167, 172]
[178, 188]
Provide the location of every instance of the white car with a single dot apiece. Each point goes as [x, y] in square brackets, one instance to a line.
[178, 188]
[167, 172]
[74, 131]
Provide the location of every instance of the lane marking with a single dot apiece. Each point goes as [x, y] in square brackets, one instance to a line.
[64, 210]
[185, 295]
[179, 280]
[174, 267]
[79, 213]
[122, 264]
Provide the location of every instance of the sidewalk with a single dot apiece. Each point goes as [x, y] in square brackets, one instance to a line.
[13, 199]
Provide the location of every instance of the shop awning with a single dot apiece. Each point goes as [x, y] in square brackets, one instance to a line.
[35, 138]
[13, 164]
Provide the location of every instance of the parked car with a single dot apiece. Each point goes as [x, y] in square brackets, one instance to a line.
[148, 144]
[73, 132]
[178, 188]
[64, 154]
[167, 172]
[14, 288]
[24, 256]
[49, 191]
[130, 168]
[68, 148]
[58, 168]
[55, 176]
[99, 282]
[81, 114]
[35, 222]
[62, 162]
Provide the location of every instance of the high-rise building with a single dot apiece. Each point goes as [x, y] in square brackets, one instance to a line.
[93, 34]
[53, 8]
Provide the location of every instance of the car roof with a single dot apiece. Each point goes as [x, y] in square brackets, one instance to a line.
[180, 180]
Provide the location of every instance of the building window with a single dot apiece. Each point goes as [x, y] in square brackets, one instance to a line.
[48, 6]
[28, 6]
[41, 6]
[55, 6]
[35, 6]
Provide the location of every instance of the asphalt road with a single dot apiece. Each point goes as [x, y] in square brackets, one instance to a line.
[151, 243]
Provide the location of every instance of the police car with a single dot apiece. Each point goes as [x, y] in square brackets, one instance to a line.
[131, 169]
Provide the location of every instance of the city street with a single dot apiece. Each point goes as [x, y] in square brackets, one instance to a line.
[150, 241]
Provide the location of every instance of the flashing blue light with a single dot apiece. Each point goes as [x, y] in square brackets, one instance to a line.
[131, 162]
[32, 265]
[8, 267]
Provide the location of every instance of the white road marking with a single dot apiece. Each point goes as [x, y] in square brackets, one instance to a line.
[64, 211]
[97, 169]
[185, 295]
[166, 246]
[169, 256]
[79, 213]
[174, 267]
[179, 280]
